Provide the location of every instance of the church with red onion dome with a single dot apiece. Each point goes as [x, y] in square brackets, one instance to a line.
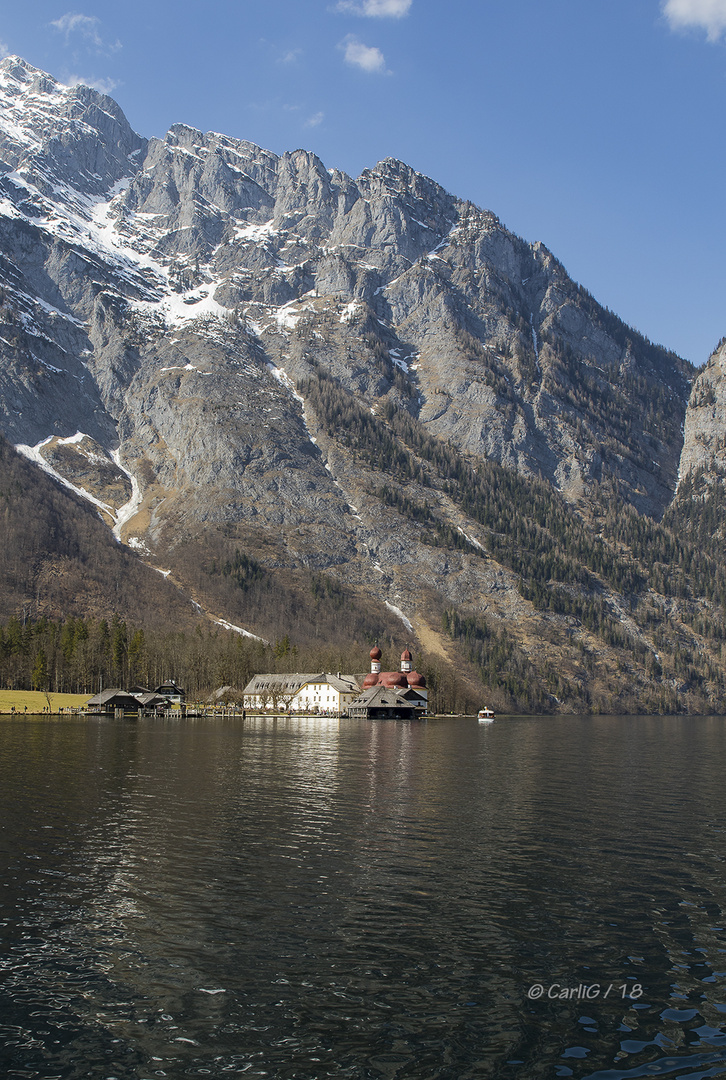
[395, 695]
[393, 680]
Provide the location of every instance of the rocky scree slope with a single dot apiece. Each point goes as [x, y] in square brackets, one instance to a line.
[200, 335]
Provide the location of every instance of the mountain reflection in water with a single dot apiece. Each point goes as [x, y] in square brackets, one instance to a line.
[314, 898]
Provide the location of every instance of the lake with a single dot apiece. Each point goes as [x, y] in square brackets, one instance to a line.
[537, 897]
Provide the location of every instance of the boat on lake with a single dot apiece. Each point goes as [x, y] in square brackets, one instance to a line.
[485, 716]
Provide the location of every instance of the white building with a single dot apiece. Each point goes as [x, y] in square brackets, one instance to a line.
[318, 693]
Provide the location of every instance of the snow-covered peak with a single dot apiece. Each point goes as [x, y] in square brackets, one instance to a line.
[54, 134]
[29, 102]
[14, 71]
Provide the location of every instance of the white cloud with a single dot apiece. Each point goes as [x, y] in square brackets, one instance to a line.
[366, 57]
[85, 25]
[708, 15]
[4, 50]
[104, 86]
[376, 9]
[315, 120]
[290, 57]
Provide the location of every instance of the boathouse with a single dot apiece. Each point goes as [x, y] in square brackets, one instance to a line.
[113, 700]
[381, 703]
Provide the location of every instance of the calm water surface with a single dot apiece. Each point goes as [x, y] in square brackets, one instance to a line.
[304, 899]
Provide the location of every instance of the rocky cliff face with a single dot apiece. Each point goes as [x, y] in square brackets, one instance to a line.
[704, 437]
[167, 306]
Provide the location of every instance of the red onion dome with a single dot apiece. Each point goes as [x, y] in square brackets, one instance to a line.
[406, 656]
[376, 653]
[414, 679]
[391, 679]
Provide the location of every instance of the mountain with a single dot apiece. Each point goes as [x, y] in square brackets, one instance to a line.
[369, 384]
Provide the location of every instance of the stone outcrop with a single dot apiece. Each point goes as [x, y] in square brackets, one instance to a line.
[704, 436]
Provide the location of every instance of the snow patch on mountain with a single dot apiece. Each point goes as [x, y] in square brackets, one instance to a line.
[32, 453]
[399, 614]
[244, 633]
[130, 509]
[177, 309]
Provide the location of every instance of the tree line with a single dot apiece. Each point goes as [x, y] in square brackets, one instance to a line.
[84, 656]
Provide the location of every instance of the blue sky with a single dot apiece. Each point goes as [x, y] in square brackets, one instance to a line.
[595, 126]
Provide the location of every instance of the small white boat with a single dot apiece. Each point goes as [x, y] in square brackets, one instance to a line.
[485, 716]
